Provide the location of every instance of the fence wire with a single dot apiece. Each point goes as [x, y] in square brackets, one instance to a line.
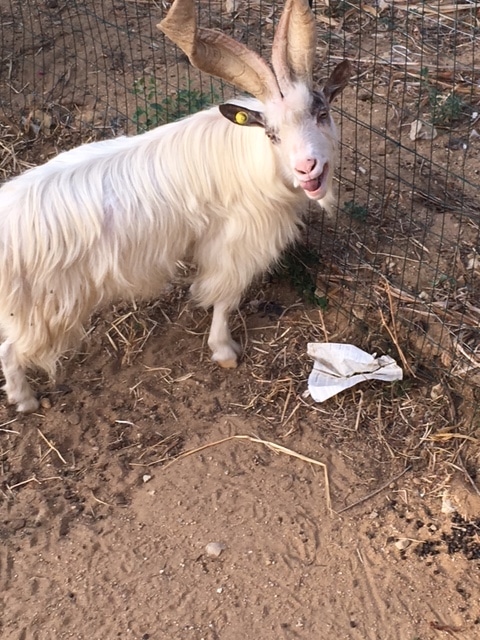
[399, 267]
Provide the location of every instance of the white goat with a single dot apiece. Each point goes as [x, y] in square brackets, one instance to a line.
[109, 220]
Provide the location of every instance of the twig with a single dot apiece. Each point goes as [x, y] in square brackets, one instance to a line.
[271, 445]
[20, 484]
[359, 411]
[393, 331]
[101, 501]
[52, 447]
[374, 493]
[5, 424]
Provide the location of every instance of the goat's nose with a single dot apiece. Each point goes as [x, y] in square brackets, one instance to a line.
[305, 166]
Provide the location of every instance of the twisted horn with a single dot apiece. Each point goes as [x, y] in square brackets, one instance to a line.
[294, 44]
[218, 54]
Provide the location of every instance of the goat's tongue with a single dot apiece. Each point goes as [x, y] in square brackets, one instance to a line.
[312, 185]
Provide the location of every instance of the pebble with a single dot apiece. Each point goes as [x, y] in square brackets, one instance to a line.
[18, 523]
[45, 403]
[74, 418]
[447, 505]
[402, 544]
[146, 477]
[364, 95]
[214, 549]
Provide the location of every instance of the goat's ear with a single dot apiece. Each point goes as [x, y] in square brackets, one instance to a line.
[338, 80]
[242, 116]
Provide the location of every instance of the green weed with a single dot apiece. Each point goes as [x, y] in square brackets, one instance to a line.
[298, 267]
[355, 211]
[153, 113]
[445, 109]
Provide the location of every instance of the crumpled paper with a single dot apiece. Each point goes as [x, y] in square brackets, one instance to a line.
[340, 366]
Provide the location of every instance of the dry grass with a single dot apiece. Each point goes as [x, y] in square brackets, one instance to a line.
[424, 422]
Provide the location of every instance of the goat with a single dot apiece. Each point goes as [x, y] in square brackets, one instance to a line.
[109, 220]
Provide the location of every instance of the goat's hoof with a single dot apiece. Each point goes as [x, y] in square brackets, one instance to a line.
[28, 406]
[231, 363]
[226, 354]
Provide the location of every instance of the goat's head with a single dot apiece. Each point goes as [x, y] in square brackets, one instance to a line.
[295, 117]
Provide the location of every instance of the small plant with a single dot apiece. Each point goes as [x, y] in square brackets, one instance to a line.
[172, 107]
[296, 267]
[449, 109]
[445, 109]
[355, 211]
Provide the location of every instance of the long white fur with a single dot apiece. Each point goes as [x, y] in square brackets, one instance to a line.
[108, 220]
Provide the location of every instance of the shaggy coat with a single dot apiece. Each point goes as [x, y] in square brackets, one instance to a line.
[109, 220]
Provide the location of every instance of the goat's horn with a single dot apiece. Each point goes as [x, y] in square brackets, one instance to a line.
[218, 54]
[294, 44]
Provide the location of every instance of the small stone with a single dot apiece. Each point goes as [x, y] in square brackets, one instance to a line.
[220, 590]
[457, 143]
[420, 130]
[437, 392]
[45, 403]
[473, 262]
[447, 505]
[146, 477]
[74, 418]
[364, 95]
[18, 523]
[214, 549]
[402, 544]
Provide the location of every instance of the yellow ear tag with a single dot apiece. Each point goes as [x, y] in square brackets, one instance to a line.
[241, 117]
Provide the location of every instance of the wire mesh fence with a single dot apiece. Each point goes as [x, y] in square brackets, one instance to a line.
[398, 270]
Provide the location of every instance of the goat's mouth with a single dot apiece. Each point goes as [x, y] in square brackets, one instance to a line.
[316, 188]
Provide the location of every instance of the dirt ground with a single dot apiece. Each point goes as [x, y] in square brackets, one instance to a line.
[358, 518]
[104, 531]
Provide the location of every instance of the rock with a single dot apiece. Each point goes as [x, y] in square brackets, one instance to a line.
[364, 95]
[18, 523]
[214, 549]
[420, 130]
[74, 418]
[146, 477]
[447, 505]
[402, 544]
[45, 403]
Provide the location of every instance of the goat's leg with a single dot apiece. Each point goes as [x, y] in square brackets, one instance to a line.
[16, 385]
[225, 350]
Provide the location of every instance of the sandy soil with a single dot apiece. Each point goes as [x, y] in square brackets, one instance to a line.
[104, 528]
[103, 537]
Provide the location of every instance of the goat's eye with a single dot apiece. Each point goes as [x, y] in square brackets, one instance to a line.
[322, 116]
